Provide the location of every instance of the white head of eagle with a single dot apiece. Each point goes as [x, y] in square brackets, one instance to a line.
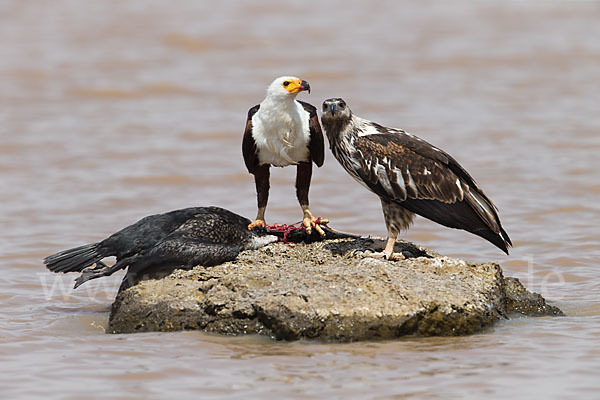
[287, 86]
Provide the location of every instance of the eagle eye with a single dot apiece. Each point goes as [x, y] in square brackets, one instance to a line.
[286, 83]
[342, 104]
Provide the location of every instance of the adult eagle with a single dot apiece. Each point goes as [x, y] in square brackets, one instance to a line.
[410, 176]
[283, 131]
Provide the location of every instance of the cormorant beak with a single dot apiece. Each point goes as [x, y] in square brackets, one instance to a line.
[304, 86]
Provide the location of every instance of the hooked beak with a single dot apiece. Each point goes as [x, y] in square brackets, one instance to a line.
[332, 108]
[304, 86]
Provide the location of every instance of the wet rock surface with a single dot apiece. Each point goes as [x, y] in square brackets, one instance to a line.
[322, 290]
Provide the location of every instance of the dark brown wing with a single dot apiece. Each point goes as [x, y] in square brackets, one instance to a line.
[316, 146]
[426, 180]
[425, 149]
[248, 144]
[398, 172]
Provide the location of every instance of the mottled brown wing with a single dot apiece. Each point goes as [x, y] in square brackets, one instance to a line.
[248, 144]
[316, 146]
[426, 180]
[397, 172]
[469, 190]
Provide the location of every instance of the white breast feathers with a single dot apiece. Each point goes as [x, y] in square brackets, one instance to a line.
[281, 133]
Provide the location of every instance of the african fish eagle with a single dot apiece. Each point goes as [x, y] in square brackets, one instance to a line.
[410, 176]
[283, 131]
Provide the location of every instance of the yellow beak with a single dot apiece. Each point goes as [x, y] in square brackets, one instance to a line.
[298, 86]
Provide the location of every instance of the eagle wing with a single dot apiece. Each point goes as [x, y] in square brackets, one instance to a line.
[398, 166]
[248, 143]
[316, 146]
[424, 179]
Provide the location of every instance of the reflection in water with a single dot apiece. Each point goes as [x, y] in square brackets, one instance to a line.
[112, 111]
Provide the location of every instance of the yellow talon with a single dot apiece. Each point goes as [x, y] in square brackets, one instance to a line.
[310, 222]
[257, 223]
[319, 230]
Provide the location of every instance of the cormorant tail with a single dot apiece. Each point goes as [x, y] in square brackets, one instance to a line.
[74, 260]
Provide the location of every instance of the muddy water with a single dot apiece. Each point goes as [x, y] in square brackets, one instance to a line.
[110, 111]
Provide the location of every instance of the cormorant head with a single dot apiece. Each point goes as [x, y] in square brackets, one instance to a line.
[287, 86]
[336, 109]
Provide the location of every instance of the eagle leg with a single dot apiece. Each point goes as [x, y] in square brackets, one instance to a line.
[303, 176]
[388, 252]
[396, 218]
[261, 179]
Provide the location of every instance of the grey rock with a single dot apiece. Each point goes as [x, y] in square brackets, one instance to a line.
[324, 291]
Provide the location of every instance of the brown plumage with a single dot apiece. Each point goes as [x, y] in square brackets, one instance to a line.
[410, 176]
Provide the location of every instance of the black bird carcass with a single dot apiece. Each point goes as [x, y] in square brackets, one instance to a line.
[163, 242]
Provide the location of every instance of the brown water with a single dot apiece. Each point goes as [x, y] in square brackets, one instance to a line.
[113, 110]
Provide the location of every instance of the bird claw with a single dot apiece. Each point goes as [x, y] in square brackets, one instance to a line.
[310, 222]
[371, 253]
[259, 223]
[362, 252]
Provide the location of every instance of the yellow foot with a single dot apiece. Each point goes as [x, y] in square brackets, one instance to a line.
[310, 222]
[260, 223]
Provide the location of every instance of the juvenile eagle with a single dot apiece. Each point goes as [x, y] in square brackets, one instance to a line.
[283, 131]
[178, 239]
[410, 176]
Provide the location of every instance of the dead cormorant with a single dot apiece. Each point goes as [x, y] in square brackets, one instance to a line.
[178, 239]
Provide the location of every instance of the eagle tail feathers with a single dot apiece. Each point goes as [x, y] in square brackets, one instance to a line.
[488, 213]
[462, 215]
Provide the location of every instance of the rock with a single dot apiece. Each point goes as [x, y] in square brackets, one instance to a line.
[323, 291]
[520, 300]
